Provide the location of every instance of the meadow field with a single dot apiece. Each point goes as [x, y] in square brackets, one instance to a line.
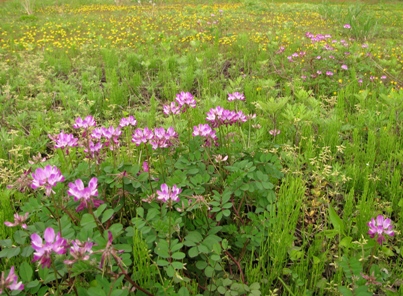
[201, 147]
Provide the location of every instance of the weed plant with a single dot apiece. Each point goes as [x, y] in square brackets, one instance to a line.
[227, 148]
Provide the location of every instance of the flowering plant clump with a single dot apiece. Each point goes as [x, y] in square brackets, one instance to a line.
[85, 194]
[205, 131]
[53, 244]
[18, 221]
[219, 116]
[46, 178]
[236, 96]
[10, 282]
[85, 123]
[79, 251]
[166, 193]
[157, 138]
[380, 226]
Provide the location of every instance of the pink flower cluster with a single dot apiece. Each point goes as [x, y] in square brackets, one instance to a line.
[18, 221]
[318, 37]
[85, 194]
[157, 138]
[236, 96]
[204, 130]
[219, 116]
[296, 55]
[127, 121]
[109, 135]
[47, 178]
[380, 226]
[56, 244]
[166, 193]
[85, 123]
[64, 141]
[10, 282]
[183, 101]
[53, 244]
[79, 251]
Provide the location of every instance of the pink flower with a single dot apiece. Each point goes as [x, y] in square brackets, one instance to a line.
[127, 121]
[185, 99]
[53, 244]
[380, 226]
[10, 282]
[344, 67]
[47, 178]
[65, 140]
[236, 96]
[166, 193]
[329, 73]
[347, 26]
[79, 251]
[145, 167]
[85, 123]
[18, 220]
[173, 109]
[274, 132]
[204, 130]
[85, 194]
[142, 136]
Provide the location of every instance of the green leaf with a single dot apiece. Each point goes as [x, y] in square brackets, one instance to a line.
[201, 265]
[209, 271]
[100, 209]
[162, 262]
[96, 291]
[87, 221]
[193, 238]
[9, 253]
[120, 292]
[20, 237]
[25, 271]
[345, 291]
[32, 284]
[193, 252]
[183, 292]
[107, 215]
[335, 220]
[178, 255]
[177, 265]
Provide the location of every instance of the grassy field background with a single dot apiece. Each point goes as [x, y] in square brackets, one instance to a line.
[286, 213]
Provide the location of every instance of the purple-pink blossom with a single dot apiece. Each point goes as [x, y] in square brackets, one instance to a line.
[219, 116]
[274, 132]
[47, 178]
[204, 130]
[85, 194]
[236, 96]
[329, 73]
[184, 100]
[172, 108]
[53, 244]
[19, 220]
[347, 26]
[126, 121]
[166, 193]
[79, 251]
[344, 67]
[63, 140]
[10, 282]
[85, 123]
[378, 227]
[142, 135]
[157, 138]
